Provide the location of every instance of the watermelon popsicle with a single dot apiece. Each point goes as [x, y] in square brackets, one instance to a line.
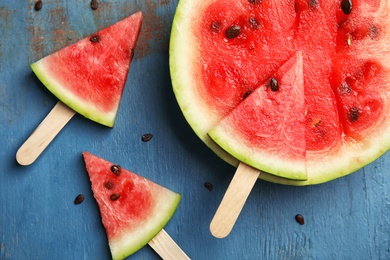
[88, 77]
[285, 97]
[134, 210]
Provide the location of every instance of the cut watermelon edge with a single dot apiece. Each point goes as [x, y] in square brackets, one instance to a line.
[88, 110]
[246, 155]
[130, 243]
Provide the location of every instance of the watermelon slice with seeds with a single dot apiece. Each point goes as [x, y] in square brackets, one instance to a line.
[251, 134]
[221, 50]
[133, 209]
[89, 76]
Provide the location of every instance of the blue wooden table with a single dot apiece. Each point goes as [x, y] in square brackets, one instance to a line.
[348, 218]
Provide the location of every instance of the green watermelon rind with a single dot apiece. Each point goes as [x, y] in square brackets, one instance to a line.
[88, 110]
[130, 243]
[341, 168]
[226, 138]
[183, 86]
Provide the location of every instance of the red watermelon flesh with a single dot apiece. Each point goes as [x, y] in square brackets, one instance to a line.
[89, 76]
[346, 78]
[258, 141]
[133, 209]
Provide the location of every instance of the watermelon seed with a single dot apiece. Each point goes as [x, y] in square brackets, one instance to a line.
[346, 6]
[38, 5]
[299, 218]
[345, 88]
[215, 26]
[116, 169]
[109, 185]
[95, 38]
[114, 196]
[79, 199]
[253, 23]
[94, 4]
[254, 1]
[208, 185]
[316, 122]
[274, 85]
[247, 94]
[313, 3]
[349, 39]
[373, 31]
[353, 114]
[146, 137]
[233, 31]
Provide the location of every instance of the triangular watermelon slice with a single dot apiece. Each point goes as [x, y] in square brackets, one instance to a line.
[89, 76]
[250, 134]
[133, 209]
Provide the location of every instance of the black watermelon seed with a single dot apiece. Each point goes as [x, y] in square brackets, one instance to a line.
[95, 38]
[94, 4]
[208, 185]
[299, 218]
[146, 137]
[353, 114]
[247, 94]
[254, 1]
[253, 23]
[109, 185]
[215, 26]
[274, 85]
[313, 3]
[38, 5]
[345, 88]
[114, 196]
[346, 6]
[79, 199]
[233, 31]
[116, 169]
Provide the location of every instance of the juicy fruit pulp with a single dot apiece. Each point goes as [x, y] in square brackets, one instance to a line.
[89, 76]
[258, 141]
[346, 79]
[133, 209]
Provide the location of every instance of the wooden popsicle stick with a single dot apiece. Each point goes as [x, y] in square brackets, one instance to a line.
[58, 117]
[233, 201]
[166, 247]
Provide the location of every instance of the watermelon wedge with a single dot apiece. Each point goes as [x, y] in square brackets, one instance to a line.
[133, 209]
[89, 76]
[221, 50]
[249, 132]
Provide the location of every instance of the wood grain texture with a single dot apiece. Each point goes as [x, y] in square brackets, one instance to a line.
[234, 200]
[166, 247]
[348, 218]
[46, 131]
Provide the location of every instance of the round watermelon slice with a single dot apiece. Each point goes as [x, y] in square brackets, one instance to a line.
[133, 209]
[89, 76]
[222, 52]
